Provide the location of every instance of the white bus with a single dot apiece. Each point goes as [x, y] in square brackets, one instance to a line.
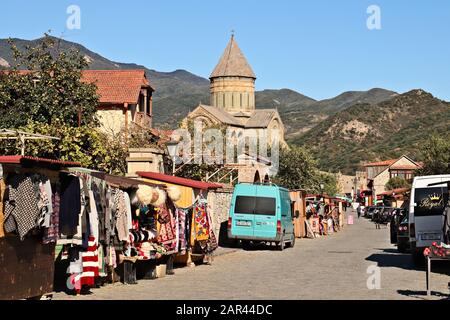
[426, 220]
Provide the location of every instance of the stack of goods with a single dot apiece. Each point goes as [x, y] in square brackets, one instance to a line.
[442, 250]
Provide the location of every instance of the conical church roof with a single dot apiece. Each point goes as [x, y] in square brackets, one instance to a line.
[233, 63]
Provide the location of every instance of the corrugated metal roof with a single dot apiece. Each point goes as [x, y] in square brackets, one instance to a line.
[28, 159]
[178, 180]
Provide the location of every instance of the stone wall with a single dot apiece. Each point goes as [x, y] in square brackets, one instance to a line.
[219, 202]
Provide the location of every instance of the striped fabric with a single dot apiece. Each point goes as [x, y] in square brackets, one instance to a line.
[90, 263]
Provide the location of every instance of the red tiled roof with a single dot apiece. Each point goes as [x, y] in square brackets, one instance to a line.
[117, 86]
[395, 191]
[25, 159]
[178, 180]
[386, 163]
[113, 86]
[404, 167]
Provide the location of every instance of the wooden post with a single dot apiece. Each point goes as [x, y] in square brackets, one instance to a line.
[428, 276]
[151, 109]
[126, 122]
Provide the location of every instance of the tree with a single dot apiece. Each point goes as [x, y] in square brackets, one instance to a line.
[50, 92]
[436, 155]
[396, 183]
[330, 183]
[87, 145]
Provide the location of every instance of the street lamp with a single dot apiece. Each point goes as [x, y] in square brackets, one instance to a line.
[172, 148]
[321, 190]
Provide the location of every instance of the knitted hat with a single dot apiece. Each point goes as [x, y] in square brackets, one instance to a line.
[174, 193]
[161, 198]
[144, 194]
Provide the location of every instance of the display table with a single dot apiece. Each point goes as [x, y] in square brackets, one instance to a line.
[429, 259]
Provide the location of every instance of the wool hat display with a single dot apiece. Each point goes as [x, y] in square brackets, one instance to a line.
[174, 193]
[161, 198]
[144, 194]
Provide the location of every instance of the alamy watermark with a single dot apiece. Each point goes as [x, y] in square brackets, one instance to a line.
[374, 280]
[374, 20]
[213, 146]
[74, 19]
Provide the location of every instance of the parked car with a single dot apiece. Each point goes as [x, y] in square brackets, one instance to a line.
[369, 211]
[396, 218]
[261, 213]
[403, 243]
[429, 194]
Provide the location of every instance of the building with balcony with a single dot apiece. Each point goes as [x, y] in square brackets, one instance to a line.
[125, 99]
[379, 173]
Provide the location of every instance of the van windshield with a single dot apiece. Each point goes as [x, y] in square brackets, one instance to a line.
[430, 201]
[255, 205]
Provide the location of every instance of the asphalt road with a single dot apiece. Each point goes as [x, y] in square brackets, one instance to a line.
[331, 267]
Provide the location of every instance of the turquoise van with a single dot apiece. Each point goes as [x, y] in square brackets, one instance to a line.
[261, 213]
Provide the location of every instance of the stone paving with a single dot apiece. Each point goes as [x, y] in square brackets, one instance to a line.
[330, 267]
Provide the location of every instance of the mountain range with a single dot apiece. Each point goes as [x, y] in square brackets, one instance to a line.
[341, 131]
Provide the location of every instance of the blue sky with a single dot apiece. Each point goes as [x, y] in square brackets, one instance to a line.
[319, 48]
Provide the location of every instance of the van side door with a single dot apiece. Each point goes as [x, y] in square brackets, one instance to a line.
[265, 212]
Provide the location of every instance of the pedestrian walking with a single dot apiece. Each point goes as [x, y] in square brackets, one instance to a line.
[358, 210]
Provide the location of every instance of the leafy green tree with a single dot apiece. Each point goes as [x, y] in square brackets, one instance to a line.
[297, 169]
[87, 145]
[396, 183]
[436, 155]
[50, 92]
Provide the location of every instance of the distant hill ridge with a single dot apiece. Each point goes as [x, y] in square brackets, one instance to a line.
[180, 91]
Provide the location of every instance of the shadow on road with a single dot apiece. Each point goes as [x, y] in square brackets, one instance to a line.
[423, 294]
[392, 258]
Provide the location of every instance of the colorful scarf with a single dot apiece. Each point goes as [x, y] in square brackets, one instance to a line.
[182, 230]
[201, 226]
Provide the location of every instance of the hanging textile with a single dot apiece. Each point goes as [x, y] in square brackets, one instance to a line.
[2, 193]
[120, 214]
[167, 227]
[90, 263]
[51, 233]
[128, 211]
[93, 216]
[109, 220]
[182, 230]
[99, 190]
[101, 262]
[21, 205]
[201, 224]
[79, 199]
[70, 205]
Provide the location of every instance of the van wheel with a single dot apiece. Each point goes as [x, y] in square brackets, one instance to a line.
[245, 244]
[281, 244]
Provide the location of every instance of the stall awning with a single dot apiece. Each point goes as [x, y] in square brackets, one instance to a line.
[123, 182]
[395, 192]
[178, 180]
[30, 161]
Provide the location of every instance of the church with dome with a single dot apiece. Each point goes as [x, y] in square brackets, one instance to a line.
[232, 98]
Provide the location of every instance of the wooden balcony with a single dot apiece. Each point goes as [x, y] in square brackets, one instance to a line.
[143, 120]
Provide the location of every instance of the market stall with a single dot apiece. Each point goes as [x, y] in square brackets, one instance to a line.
[28, 214]
[197, 238]
[298, 198]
